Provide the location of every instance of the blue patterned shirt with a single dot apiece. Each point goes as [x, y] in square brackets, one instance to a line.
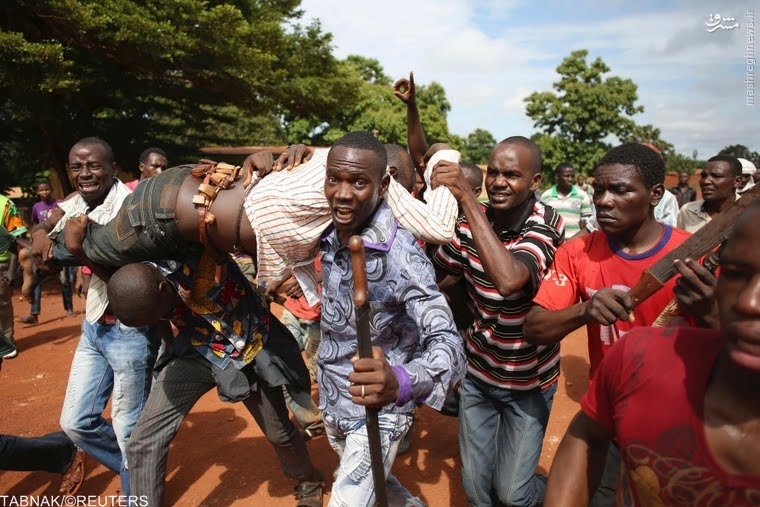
[409, 319]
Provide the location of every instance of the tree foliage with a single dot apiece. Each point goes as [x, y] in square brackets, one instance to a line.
[183, 74]
[376, 109]
[587, 108]
[741, 151]
[179, 74]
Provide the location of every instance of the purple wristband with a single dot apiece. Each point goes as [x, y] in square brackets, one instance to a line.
[404, 386]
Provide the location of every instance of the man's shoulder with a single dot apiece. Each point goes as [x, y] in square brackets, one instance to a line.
[549, 192]
[542, 214]
[662, 343]
[678, 236]
[693, 206]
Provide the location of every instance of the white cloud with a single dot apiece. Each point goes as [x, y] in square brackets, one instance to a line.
[490, 54]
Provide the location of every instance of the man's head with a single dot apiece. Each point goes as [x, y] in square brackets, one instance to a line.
[748, 172]
[474, 176]
[738, 291]
[513, 174]
[140, 296]
[683, 179]
[152, 162]
[565, 176]
[400, 166]
[628, 184]
[44, 191]
[720, 178]
[92, 169]
[432, 149]
[355, 180]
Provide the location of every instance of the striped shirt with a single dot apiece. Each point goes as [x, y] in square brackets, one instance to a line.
[497, 352]
[289, 212]
[572, 207]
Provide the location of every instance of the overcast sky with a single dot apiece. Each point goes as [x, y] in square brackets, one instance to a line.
[490, 54]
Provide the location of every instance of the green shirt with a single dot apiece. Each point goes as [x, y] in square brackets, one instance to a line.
[572, 207]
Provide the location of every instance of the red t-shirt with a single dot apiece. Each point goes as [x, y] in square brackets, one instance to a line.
[649, 392]
[585, 265]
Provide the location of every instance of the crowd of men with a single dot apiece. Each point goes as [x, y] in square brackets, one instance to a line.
[530, 267]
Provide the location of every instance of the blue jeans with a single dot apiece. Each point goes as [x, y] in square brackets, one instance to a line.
[67, 279]
[354, 485]
[111, 360]
[53, 452]
[501, 432]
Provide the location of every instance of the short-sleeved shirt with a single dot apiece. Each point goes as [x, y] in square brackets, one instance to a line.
[649, 392]
[497, 352]
[42, 210]
[692, 216]
[585, 265]
[572, 207]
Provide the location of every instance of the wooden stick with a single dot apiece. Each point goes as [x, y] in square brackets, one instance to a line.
[364, 345]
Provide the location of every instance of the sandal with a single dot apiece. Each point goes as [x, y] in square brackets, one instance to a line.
[309, 493]
[73, 477]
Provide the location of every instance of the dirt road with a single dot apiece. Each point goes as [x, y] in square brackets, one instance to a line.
[220, 456]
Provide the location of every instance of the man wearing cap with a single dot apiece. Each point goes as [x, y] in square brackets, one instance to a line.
[747, 177]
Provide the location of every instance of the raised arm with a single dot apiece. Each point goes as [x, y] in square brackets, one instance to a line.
[507, 272]
[405, 91]
[432, 222]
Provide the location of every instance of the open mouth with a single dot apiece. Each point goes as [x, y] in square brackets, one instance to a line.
[89, 186]
[343, 215]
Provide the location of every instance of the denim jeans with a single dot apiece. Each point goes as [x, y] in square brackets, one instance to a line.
[501, 432]
[354, 485]
[66, 277]
[52, 452]
[144, 229]
[111, 360]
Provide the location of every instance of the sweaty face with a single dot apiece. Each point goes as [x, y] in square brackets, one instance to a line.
[565, 179]
[717, 181]
[91, 172]
[154, 164]
[509, 178]
[738, 292]
[354, 183]
[621, 199]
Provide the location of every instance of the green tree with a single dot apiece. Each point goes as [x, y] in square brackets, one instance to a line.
[676, 163]
[478, 146]
[741, 151]
[375, 109]
[178, 74]
[586, 108]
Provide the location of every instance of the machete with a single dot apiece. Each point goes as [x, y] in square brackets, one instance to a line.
[361, 304]
[700, 243]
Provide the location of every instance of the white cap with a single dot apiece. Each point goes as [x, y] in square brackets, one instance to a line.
[747, 167]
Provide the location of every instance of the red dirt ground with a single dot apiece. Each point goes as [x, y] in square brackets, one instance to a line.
[220, 456]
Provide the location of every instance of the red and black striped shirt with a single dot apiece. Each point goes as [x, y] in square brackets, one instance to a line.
[497, 352]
